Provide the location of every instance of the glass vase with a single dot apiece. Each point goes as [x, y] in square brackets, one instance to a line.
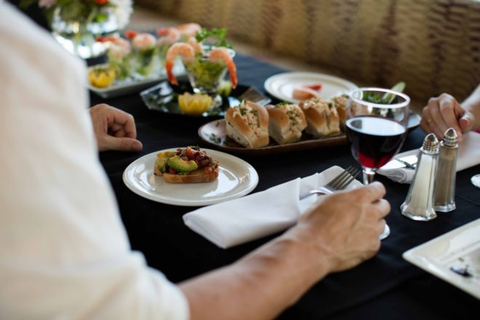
[78, 34]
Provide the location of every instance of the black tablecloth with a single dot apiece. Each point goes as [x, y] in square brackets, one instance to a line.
[386, 286]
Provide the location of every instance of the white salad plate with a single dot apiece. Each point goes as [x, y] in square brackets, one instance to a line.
[236, 178]
[281, 85]
[449, 255]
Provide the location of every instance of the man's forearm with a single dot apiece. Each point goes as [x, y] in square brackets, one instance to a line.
[260, 285]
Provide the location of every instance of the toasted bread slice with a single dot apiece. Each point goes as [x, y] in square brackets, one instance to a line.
[196, 176]
[174, 169]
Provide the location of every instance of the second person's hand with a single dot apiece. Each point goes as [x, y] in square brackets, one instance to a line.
[114, 129]
[444, 112]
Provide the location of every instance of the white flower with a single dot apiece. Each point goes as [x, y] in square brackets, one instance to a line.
[123, 10]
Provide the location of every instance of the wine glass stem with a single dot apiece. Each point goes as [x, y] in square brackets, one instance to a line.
[368, 175]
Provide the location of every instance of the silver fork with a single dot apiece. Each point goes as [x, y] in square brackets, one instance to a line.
[340, 182]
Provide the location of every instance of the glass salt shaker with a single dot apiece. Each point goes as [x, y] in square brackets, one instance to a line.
[418, 204]
[446, 173]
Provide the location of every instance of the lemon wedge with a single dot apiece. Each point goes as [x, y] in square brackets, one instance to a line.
[194, 104]
[101, 76]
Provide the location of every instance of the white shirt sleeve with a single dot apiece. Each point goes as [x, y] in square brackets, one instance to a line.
[64, 253]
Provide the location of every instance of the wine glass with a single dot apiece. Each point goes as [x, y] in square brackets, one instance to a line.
[376, 127]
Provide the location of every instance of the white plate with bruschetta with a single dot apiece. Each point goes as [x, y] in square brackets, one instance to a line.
[236, 178]
[283, 85]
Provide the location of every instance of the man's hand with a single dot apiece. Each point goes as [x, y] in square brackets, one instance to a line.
[114, 129]
[345, 227]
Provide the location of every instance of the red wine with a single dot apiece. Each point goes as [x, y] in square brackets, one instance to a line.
[374, 140]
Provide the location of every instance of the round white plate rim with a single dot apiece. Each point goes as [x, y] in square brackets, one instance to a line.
[306, 77]
[133, 185]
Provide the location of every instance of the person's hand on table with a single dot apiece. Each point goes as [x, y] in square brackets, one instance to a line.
[445, 112]
[345, 227]
[114, 129]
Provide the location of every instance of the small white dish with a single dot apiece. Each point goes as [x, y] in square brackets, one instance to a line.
[281, 85]
[236, 178]
[449, 255]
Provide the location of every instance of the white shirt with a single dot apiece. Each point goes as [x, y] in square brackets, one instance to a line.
[64, 253]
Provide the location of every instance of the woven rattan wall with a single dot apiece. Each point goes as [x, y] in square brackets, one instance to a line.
[432, 45]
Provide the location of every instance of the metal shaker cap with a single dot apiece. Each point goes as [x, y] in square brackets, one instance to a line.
[450, 138]
[430, 143]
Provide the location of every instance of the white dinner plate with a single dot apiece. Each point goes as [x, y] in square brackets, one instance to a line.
[281, 85]
[455, 250]
[236, 178]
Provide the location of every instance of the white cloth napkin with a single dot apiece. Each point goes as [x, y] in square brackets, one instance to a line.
[468, 156]
[260, 214]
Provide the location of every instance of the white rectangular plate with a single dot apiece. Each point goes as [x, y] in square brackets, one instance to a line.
[457, 249]
[132, 86]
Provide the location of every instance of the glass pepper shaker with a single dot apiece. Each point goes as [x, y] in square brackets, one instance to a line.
[418, 204]
[446, 173]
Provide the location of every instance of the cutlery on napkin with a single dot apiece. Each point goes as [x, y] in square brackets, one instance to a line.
[468, 156]
[260, 214]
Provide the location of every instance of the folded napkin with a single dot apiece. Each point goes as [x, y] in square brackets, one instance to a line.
[260, 214]
[468, 156]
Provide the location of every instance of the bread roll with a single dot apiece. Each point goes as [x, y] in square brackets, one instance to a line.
[247, 124]
[340, 103]
[322, 117]
[285, 123]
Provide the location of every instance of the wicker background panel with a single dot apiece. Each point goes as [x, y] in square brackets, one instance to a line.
[432, 45]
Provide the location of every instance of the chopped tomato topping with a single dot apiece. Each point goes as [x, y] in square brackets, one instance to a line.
[207, 170]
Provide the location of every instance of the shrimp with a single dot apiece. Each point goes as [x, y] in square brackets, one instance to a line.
[189, 29]
[183, 49]
[197, 46]
[144, 41]
[221, 53]
[168, 36]
[116, 41]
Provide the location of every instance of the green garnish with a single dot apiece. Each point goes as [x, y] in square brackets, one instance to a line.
[214, 37]
[207, 74]
[386, 98]
[215, 138]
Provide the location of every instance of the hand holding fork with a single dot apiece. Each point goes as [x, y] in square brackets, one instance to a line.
[338, 183]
